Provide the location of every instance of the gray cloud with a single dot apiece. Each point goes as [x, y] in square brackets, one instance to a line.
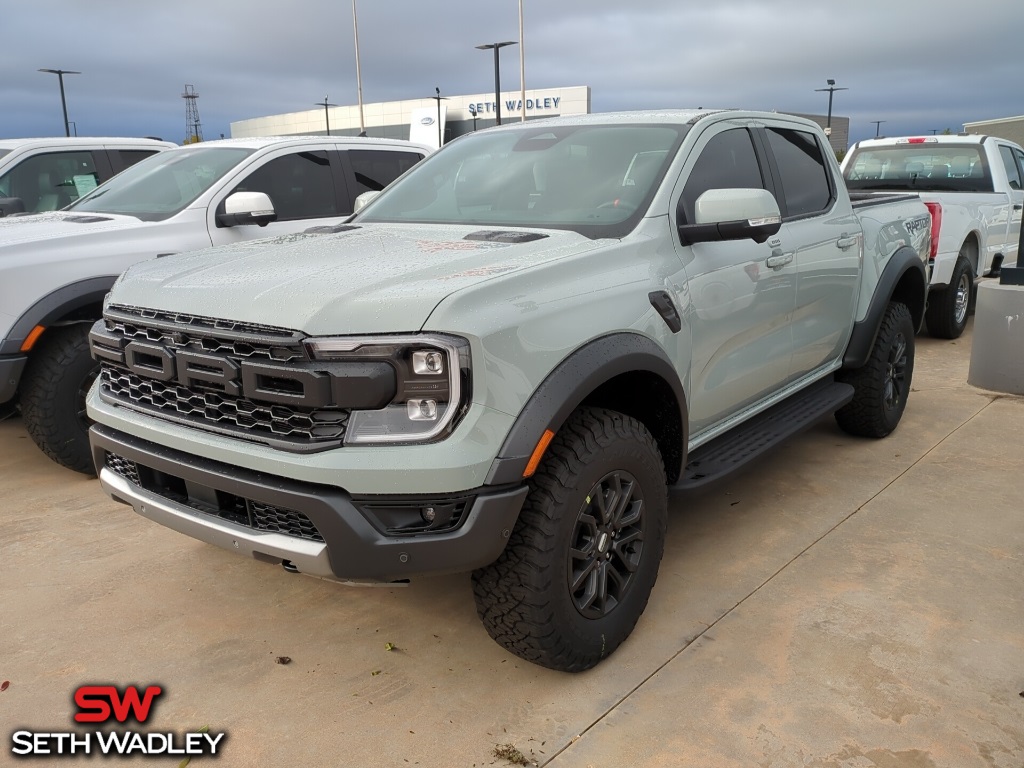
[917, 64]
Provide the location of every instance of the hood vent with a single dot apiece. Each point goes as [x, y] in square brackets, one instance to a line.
[86, 219]
[329, 229]
[502, 236]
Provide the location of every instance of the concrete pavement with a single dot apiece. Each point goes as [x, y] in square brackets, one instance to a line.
[843, 603]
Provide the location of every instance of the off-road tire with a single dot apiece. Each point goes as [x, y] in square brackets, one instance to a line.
[948, 308]
[883, 383]
[58, 373]
[526, 598]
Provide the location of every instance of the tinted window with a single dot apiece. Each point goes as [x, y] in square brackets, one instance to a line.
[126, 158]
[300, 185]
[1012, 171]
[805, 183]
[47, 182]
[375, 169]
[924, 166]
[727, 162]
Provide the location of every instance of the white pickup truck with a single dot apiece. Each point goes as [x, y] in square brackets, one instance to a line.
[974, 188]
[56, 267]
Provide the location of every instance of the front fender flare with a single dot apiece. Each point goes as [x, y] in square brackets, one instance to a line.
[569, 384]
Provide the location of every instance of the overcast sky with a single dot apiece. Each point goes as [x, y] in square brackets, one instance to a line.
[919, 65]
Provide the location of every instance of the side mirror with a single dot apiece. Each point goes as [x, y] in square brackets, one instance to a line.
[732, 214]
[364, 199]
[245, 208]
[9, 205]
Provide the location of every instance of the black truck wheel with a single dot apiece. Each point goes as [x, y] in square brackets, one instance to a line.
[583, 557]
[883, 383]
[947, 309]
[57, 378]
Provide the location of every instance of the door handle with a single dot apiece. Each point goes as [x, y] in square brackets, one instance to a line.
[845, 243]
[779, 259]
[1017, 206]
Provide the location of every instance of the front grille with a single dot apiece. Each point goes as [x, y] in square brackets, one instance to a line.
[222, 412]
[253, 514]
[205, 404]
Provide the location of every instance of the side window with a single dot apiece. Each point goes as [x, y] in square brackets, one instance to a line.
[49, 181]
[126, 158]
[1020, 161]
[375, 169]
[300, 185]
[726, 162]
[1012, 171]
[805, 180]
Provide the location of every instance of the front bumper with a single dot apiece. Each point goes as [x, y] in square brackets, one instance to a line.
[316, 529]
[11, 368]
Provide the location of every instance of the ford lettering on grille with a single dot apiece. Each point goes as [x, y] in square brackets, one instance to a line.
[248, 381]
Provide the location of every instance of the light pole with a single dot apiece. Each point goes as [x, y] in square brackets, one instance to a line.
[439, 98]
[63, 102]
[522, 67]
[831, 89]
[878, 125]
[327, 117]
[497, 76]
[359, 76]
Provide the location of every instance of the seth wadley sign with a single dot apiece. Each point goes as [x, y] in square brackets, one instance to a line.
[515, 105]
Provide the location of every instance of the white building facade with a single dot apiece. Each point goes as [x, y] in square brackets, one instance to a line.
[418, 118]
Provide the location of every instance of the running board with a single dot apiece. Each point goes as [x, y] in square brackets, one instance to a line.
[750, 439]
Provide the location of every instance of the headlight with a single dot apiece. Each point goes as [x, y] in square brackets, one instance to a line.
[433, 377]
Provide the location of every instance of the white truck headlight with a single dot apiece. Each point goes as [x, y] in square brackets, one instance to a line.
[433, 376]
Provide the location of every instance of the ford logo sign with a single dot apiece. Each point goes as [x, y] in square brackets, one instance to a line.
[426, 120]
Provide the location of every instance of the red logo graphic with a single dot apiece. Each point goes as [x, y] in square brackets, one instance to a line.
[98, 703]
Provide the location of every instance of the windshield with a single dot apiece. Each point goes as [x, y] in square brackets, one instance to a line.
[596, 179]
[924, 167]
[160, 186]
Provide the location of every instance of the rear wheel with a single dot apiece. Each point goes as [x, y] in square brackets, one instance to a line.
[882, 385]
[583, 557]
[57, 379]
[948, 308]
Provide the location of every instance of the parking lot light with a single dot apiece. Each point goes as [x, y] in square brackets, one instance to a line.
[497, 75]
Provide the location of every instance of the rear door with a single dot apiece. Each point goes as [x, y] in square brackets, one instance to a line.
[825, 239]
[739, 307]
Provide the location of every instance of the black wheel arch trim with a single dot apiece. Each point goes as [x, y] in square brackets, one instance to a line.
[55, 305]
[894, 282]
[569, 385]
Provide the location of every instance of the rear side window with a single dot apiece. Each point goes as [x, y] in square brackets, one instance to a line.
[805, 180]
[300, 185]
[1012, 171]
[375, 169]
[51, 180]
[1020, 160]
[726, 162]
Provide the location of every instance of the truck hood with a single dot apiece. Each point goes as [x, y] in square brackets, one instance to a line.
[55, 225]
[371, 278]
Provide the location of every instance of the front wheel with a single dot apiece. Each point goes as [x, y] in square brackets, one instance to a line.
[882, 385]
[583, 557]
[53, 391]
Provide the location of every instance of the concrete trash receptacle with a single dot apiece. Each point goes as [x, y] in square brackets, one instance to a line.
[997, 352]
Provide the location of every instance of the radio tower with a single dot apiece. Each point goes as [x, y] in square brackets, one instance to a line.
[193, 128]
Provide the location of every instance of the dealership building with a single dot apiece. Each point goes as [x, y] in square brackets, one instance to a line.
[1010, 128]
[422, 120]
[426, 120]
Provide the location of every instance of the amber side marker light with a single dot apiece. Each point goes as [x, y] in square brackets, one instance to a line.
[32, 337]
[538, 453]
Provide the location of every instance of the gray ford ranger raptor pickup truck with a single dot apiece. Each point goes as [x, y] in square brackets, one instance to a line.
[504, 360]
